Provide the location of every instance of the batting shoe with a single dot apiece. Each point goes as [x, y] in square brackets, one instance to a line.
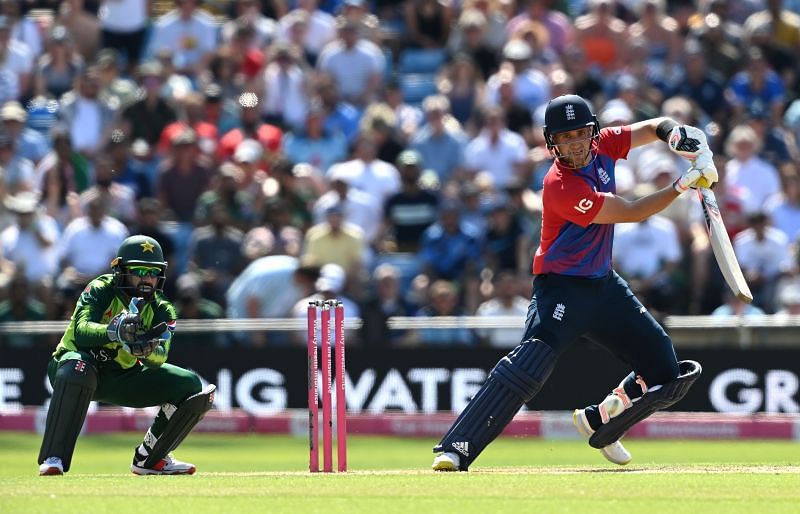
[51, 466]
[614, 452]
[447, 461]
[166, 466]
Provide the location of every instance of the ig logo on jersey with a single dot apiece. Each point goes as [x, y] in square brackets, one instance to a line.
[584, 205]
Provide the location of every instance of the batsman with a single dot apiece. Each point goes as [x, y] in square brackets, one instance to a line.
[115, 351]
[577, 293]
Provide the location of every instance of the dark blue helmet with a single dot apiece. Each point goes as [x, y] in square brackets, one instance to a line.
[565, 113]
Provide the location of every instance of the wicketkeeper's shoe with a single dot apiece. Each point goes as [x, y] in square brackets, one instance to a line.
[447, 461]
[51, 466]
[166, 466]
[614, 452]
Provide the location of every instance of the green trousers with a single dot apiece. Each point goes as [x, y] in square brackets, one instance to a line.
[138, 386]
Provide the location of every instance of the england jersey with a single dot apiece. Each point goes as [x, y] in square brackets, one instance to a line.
[570, 243]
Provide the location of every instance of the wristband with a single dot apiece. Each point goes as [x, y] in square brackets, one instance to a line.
[664, 128]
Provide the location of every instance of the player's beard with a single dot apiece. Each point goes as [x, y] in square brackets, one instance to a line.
[579, 158]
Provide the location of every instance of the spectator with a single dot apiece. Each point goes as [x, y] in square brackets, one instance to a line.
[469, 38]
[192, 111]
[409, 212]
[462, 84]
[29, 143]
[285, 88]
[789, 301]
[315, 144]
[504, 154]
[379, 120]
[442, 150]
[531, 86]
[128, 171]
[504, 301]
[763, 253]
[251, 127]
[88, 245]
[83, 26]
[360, 209]
[119, 198]
[601, 35]
[559, 29]
[408, 118]
[701, 83]
[330, 285]
[249, 12]
[334, 241]
[23, 27]
[506, 248]
[494, 33]
[215, 253]
[115, 89]
[342, 116]
[20, 306]
[383, 303]
[18, 172]
[449, 249]
[30, 243]
[444, 302]
[647, 254]
[756, 84]
[758, 178]
[124, 27]
[63, 175]
[147, 118]
[784, 208]
[190, 304]
[369, 24]
[664, 41]
[356, 65]
[89, 120]
[733, 306]
[190, 33]
[225, 190]
[427, 23]
[366, 172]
[59, 67]
[319, 29]
[16, 64]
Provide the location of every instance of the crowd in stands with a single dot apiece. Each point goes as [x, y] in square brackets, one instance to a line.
[385, 152]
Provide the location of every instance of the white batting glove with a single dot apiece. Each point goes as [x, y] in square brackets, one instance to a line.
[688, 142]
[694, 177]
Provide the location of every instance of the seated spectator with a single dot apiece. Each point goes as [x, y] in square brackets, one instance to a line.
[88, 118]
[444, 302]
[128, 171]
[409, 212]
[190, 304]
[449, 249]
[309, 27]
[504, 301]
[330, 285]
[531, 86]
[88, 245]
[745, 169]
[733, 306]
[384, 302]
[249, 11]
[225, 190]
[191, 115]
[368, 173]
[442, 149]
[469, 38]
[506, 247]
[428, 24]
[147, 118]
[251, 127]
[63, 174]
[285, 88]
[757, 83]
[29, 143]
[336, 242]
[20, 306]
[314, 143]
[341, 116]
[124, 27]
[497, 150]
[215, 253]
[763, 254]
[789, 301]
[59, 67]
[120, 199]
[379, 120]
[356, 64]
[30, 243]
[360, 209]
[18, 172]
[188, 31]
[784, 208]
[17, 65]
[408, 118]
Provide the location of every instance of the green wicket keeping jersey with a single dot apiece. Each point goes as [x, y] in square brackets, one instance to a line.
[97, 304]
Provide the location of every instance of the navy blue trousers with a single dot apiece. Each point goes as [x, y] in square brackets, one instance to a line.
[606, 311]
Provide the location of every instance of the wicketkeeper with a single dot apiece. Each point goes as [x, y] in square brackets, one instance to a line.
[114, 351]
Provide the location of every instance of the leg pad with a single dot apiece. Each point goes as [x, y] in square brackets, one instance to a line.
[514, 380]
[73, 387]
[181, 421]
[656, 398]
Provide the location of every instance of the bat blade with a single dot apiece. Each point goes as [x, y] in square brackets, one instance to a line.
[722, 247]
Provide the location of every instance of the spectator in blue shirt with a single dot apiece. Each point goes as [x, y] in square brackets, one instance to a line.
[450, 249]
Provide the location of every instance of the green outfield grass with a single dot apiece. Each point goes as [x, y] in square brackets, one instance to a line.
[250, 473]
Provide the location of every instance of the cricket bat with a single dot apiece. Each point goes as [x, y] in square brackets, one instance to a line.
[721, 245]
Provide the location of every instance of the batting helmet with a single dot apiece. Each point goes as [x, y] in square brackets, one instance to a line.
[565, 113]
[138, 250]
